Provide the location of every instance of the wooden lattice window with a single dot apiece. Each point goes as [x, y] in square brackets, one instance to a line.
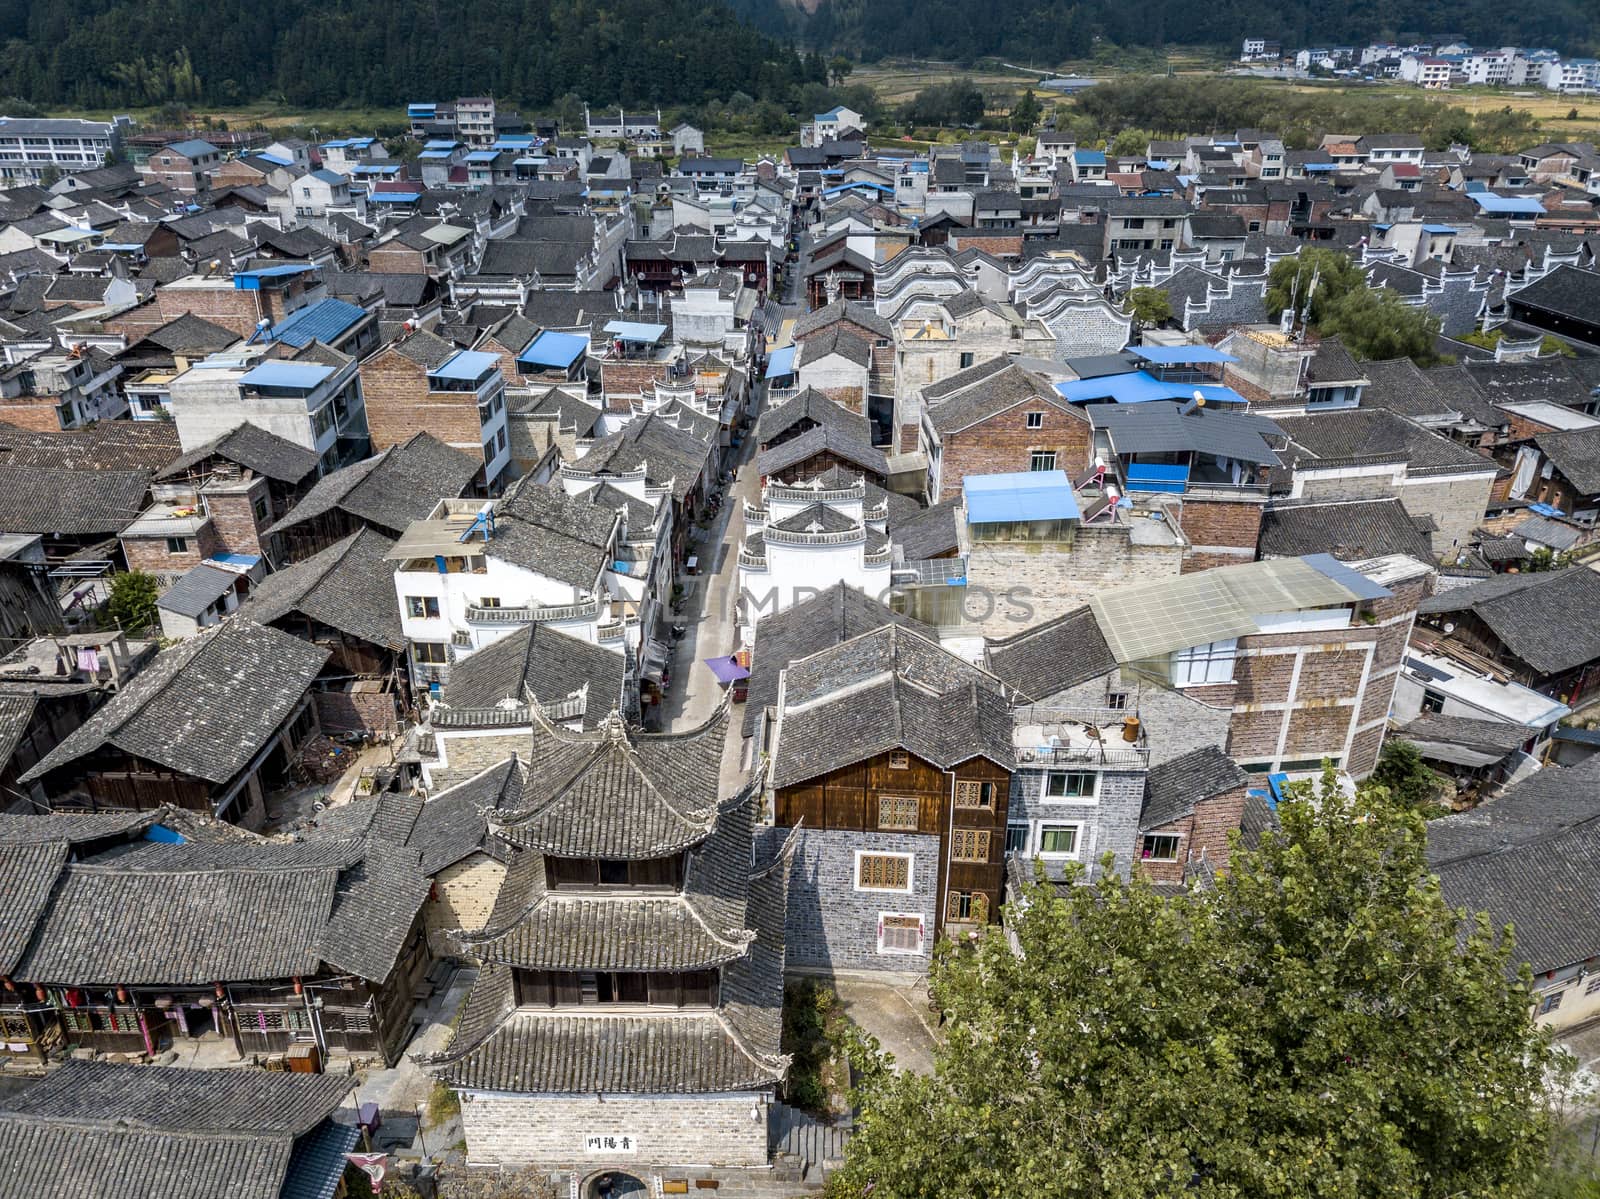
[969, 845]
[974, 794]
[883, 872]
[897, 812]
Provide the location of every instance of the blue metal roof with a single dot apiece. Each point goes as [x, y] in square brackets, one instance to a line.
[396, 197]
[431, 154]
[1345, 576]
[468, 365]
[236, 559]
[550, 348]
[1090, 158]
[327, 176]
[322, 321]
[1178, 355]
[781, 363]
[636, 331]
[275, 372]
[440, 143]
[273, 159]
[1021, 495]
[483, 156]
[336, 145]
[1138, 387]
[251, 280]
[1487, 201]
[1440, 229]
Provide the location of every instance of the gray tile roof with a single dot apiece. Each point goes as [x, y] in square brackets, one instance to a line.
[617, 793]
[1576, 454]
[74, 503]
[537, 662]
[857, 451]
[1049, 658]
[92, 1128]
[1566, 291]
[541, 528]
[197, 589]
[887, 689]
[1397, 385]
[349, 586]
[252, 447]
[1379, 433]
[192, 914]
[73, 827]
[1546, 618]
[852, 311]
[203, 708]
[734, 1046]
[672, 454]
[1174, 787]
[30, 870]
[811, 407]
[995, 392]
[454, 823]
[1500, 735]
[930, 533]
[1161, 427]
[1350, 530]
[388, 492]
[16, 714]
[1542, 805]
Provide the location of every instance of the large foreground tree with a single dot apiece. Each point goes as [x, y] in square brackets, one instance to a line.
[1318, 1024]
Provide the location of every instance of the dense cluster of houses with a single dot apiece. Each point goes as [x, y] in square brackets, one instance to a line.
[442, 453]
[1437, 64]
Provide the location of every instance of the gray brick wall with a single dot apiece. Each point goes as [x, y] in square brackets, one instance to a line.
[1111, 821]
[670, 1130]
[831, 925]
[1173, 723]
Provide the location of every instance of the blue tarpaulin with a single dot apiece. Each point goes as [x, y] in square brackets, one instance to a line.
[464, 365]
[1021, 495]
[1146, 477]
[275, 372]
[554, 349]
[1139, 387]
[636, 331]
[781, 363]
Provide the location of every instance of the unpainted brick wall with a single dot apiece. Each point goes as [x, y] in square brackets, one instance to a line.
[1004, 443]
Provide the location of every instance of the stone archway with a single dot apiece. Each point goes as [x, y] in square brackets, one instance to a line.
[615, 1184]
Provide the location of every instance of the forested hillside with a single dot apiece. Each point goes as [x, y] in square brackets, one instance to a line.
[106, 53]
[1052, 31]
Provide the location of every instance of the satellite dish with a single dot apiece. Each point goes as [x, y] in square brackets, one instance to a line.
[1449, 627]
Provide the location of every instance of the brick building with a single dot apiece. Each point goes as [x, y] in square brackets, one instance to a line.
[892, 761]
[1191, 805]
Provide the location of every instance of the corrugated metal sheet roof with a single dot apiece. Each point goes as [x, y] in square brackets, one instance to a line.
[322, 321]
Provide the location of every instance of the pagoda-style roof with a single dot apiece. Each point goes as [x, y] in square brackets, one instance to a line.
[617, 793]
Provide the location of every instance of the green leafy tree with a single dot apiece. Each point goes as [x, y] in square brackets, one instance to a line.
[1376, 323]
[1290, 282]
[132, 605]
[1149, 306]
[1130, 142]
[840, 69]
[1407, 778]
[569, 113]
[1025, 114]
[1318, 1024]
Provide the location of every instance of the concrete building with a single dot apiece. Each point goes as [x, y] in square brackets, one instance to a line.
[33, 147]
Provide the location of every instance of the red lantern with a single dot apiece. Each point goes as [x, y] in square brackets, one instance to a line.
[39, 992]
[219, 990]
[299, 988]
[122, 994]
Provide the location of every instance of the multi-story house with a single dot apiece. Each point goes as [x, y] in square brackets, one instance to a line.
[827, 126]
[625, 1025]
[314, 402]
[622, 126]
[56, 390]
[804, 538]
[421, 383]
[31, 147]
[475, 120]
[891, 763]
[474, 572]
[184, 166]
[316, 192]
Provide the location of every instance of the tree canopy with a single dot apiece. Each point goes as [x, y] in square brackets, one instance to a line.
[1318, 1024]
[1375, 323]
[1290, 282]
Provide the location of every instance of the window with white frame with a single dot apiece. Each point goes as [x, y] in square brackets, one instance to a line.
[883, 871]
[1202, 664]
[1058, 840]
[1159, 847]
[1550, 1002]
[900, 932]
[1071, 785]
[1017, 838]
[1035, 420]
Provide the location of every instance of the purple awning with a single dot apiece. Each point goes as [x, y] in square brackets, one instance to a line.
[727, 669]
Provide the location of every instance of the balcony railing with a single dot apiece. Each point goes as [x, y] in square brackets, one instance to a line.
[754, 515]
[587, 610]
[752, 561]
[777, 493]
[882, 558]
[783, 537]
[1129, 756]
[615, 630]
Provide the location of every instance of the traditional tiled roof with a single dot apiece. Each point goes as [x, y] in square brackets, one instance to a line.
[349, 586]
[1377, 433]
[1566, 291]
[388, 492]
[1350, 530]
[73, 827]
[455, 823]
[997, 392]
[1529, 858]
[852, 311]
[536, 661]
[1546, 619]
[816, 408]
[203, 708]
[846, 446]
[733, 1046]
[1175, 786]
[887, 689]
[617, 793]
[93, 1128]
[252, 447]
[30, 870]
[929, 533]
[74, 503]
[197, 589]
[1051, 657]
[1576, 454]
[542, 529]
[672, 455]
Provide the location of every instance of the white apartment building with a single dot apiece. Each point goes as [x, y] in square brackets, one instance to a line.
[311, 404]
[31, 146]
[1572, 74]
[803, 540]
